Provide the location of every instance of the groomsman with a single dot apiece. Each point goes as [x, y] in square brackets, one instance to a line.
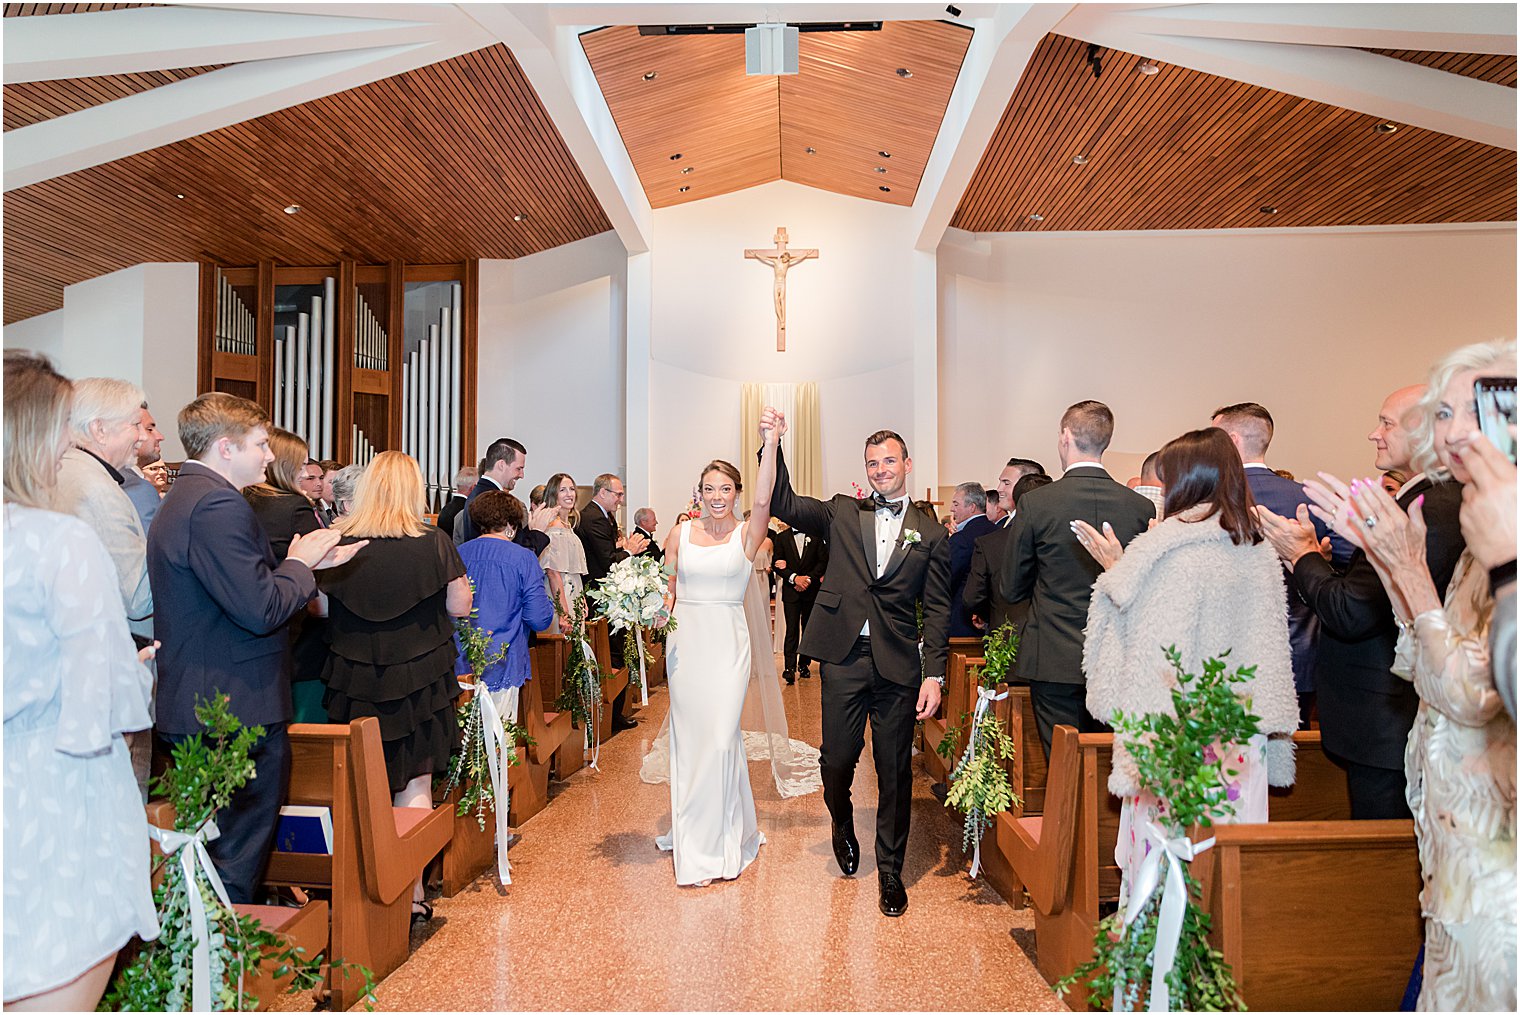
[800, 561]
[983, 595]
[1047, 566]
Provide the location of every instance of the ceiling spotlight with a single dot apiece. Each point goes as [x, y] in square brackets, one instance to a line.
[904, 72]
[1385, 128]
[881, 169]
[1079, 160]
[885, 190]
[687, 170]
[1148, 67]
[650, 75]
[293, 209]
[1268, 209]
[676, 157]
[519, 217]
[885, 155]
[1037, 217]
[810, 151]
[683, 190]
[180, 196]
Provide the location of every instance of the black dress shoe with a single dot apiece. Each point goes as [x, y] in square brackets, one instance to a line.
[788, 676]
[846, 850]
[619, 723]
[894, 897]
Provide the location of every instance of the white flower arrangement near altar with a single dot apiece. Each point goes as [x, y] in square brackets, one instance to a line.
[632, 598]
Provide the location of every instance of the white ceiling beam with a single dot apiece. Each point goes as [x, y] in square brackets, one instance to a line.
[599, 14]
[211, 101]
[551, 57]
[164, 38]
[1000, 50]
[1446, 28]
[1380, 86]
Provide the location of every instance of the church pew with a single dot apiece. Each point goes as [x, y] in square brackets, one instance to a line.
[936, 726]
[1065, 856]
[304, 927]
[378, 850]
[550, 732]
[471, 849]
[548, 658]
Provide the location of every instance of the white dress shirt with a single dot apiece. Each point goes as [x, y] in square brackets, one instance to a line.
[888, 526]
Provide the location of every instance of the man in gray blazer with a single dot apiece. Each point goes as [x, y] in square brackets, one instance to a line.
[1046, 565]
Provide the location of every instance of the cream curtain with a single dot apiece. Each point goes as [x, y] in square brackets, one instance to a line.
[802, 445]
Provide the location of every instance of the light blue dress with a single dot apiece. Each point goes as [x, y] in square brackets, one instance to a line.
[76, 836]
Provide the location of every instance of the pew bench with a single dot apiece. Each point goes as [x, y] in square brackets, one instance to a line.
[549, 656]
[551, 732]
[598, 635]
[471, 850]
[379, 850]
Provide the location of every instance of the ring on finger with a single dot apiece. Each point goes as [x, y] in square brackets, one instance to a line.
[1370, 521]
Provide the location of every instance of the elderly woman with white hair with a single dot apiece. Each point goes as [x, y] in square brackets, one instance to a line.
[1460, 761]
[344, 484]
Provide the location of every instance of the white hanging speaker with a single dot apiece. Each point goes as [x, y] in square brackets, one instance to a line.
[770, 49]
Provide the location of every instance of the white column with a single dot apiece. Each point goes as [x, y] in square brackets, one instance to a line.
[925, 330]
[636, 291]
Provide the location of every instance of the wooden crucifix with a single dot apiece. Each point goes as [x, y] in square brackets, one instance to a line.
[780, 259]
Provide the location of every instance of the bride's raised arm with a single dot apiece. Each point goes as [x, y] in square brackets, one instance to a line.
[757, 529]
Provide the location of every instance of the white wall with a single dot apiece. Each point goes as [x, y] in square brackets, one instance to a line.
[848, 328]
[138, 324]
[551, 358]
[1316, 325]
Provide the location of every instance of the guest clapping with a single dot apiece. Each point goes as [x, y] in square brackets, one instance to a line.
[564, 559]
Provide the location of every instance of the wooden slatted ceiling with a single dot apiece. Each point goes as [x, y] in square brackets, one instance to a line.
[733, 131]
[1186, 150]
[35, 101]
[426, 167]
[34, 10]
[1495, 68]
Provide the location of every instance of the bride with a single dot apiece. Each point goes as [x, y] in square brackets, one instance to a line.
[719, 687]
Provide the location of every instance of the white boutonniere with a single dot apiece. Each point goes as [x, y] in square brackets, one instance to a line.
[911, 537]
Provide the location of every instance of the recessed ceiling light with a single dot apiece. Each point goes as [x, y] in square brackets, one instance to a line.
[684, 189]
[885, 155]
[1079, 160]
[292, 209]
[650, 75]
[904, 72]
[687, 170]
[811, 151]
[1037, 217]
[676, 157]
[1148, 67]
[1385, 128]
[885, 190]
[180, 196]
[519, 217]
[1268, 209]
[881, 169]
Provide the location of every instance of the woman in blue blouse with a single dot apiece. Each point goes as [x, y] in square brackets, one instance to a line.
[509, 593]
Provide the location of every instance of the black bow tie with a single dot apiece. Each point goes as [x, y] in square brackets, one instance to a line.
[877, 502]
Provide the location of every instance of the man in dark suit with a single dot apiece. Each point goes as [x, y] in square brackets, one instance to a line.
[968, 509]
[464, 481]
[222, 604]
[1250, 428]
[645, 524]
[1047, 566]
[1365, 710]
[799, 563]
[885, 557]
[598, 531]
[983, 595]
[501, 468]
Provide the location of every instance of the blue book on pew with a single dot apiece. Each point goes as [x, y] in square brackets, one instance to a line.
[304, 829]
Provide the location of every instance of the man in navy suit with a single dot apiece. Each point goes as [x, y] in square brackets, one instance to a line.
[222, 602]
[968, 509]
[1250, 428]
[500, 470]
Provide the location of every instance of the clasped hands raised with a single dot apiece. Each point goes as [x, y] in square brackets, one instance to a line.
[772, 425]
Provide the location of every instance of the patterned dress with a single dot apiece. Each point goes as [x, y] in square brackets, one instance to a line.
[1460, 763]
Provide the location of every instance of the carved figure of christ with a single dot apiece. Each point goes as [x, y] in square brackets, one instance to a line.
[781, 260]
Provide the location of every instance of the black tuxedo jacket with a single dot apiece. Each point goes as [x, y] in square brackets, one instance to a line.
[446, 516]
[983, 595]
[1365, 710]
[598, 535]
[812, 561]
[653, 549]
[1046, 565]
[852, 594]
[221, 602]
[962, 547]
[464, 530]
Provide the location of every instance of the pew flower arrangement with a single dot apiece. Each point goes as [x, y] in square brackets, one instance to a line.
[581, 689]
[979, 785]
[632, 598]
[472, 766]
[1179, 762]
[197, 925]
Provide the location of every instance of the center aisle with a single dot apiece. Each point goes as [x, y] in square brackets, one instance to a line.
[593, 919]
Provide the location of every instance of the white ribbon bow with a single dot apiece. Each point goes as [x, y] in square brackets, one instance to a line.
[984, 700]
[200, 958]
[496, 764]
[637, 633]
[592, 714]
[1173, 853]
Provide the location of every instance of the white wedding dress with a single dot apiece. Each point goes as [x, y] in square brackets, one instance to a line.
[713, 829]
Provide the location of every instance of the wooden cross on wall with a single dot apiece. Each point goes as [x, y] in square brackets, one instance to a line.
[781, 260]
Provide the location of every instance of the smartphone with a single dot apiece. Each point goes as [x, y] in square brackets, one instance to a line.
[1496, 411]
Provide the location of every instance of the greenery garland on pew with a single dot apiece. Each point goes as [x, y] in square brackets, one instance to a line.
[1180, 763]
[470, 766]
[208, 769]
[979, 786]
[581, 690]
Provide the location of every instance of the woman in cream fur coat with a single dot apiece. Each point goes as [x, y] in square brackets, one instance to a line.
[1206, 581]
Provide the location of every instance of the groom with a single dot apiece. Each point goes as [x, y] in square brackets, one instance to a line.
[885, 558]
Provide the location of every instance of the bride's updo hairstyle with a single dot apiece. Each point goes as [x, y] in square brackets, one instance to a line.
[727, 468]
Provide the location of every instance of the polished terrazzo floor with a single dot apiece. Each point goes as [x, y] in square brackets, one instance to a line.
[593, 919]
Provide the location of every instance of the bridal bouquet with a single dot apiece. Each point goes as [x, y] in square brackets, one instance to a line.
[632, 598]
